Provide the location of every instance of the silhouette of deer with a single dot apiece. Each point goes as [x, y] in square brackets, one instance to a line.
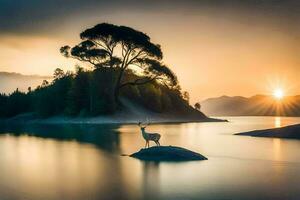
[149, 136]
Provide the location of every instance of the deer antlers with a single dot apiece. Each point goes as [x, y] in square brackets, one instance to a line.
[143, 125]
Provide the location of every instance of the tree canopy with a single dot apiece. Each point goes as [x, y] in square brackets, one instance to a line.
[197, 106]
[120, 49]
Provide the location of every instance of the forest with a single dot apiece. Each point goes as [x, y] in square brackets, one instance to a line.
[89, 93]
[125, 64]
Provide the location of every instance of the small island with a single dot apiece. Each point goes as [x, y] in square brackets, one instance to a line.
[123, 79]
[167, 153]
[290, 132]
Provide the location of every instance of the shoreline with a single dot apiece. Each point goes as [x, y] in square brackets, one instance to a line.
[110, 119]
[285, 132]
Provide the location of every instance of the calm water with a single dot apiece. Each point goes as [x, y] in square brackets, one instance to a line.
[84, 162]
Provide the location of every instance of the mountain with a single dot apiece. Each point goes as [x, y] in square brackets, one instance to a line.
[9, 81]
[258, 105]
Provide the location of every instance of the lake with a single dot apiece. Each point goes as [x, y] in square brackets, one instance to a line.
[84, 162]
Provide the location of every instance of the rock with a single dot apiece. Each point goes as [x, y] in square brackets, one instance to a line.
[167, 153]
[290, 132]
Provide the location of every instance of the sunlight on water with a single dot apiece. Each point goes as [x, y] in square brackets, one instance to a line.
[277, 122]
[84, 162]
[277, 148]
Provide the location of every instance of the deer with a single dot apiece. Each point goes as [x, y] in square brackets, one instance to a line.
[149, 136]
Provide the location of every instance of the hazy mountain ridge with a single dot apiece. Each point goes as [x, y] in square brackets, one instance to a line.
[258, 105]
[10, 81]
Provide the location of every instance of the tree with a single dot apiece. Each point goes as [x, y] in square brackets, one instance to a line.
[197, 106]
[122, 49]
[78, 94]
[16, 103]
[3, 103]
[58, 73]
[45, 83]
[186, 96]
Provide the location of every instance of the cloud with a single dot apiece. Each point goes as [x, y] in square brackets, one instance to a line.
[36, 16]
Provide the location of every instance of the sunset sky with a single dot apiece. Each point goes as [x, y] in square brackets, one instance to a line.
[215, 47]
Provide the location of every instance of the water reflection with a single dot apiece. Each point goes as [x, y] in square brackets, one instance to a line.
[83, 162]
[104, 136]
[47, 169]
[151, 180]
[277, 148]
[277, 122]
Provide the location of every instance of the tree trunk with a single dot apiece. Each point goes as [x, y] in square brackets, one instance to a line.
[116, 96]
[117, 87]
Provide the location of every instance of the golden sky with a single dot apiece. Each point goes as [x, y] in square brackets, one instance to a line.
[228, 49]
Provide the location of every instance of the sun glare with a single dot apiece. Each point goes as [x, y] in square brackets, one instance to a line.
[278, 94]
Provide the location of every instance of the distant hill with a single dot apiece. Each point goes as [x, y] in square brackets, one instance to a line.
[258, 105]
[9, 81]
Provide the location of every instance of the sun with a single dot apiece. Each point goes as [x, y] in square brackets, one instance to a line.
[278, 94]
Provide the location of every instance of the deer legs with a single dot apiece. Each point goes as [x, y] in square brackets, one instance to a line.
[148, 143]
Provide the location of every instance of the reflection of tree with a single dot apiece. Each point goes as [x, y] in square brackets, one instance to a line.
[104, 136]
[151, 181]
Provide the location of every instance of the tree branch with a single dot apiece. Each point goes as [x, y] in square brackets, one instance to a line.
[135, 57]
[138, 81]
[84, 60]
[101, 45]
